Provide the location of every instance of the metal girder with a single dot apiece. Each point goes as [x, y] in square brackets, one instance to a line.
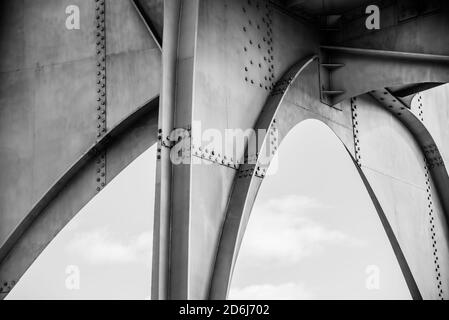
[246, 186]
[222, 78]
[151, 13]
[171, 232]
[111, 137]
[128, 139]
[367, 69]
[75, 98]
[245, 190]
[221, 65]
[403, 264]
[400, 178]
[401, 53]
[405, 25]
[412, 89]
[423, 137]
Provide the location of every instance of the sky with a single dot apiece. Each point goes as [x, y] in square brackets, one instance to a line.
[313, 234]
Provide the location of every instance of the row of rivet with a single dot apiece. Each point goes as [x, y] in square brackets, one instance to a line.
[101, 87]
[390, 101]
[355, 126]
[273, 138]
[261, 169]
[258, 171]
[201, 152]
[181, 134]
[254, 30]
[160, 144]
[281, 86]
[432, 159]
[433, 232]
[433, 156]
[214, 157]
[420, 109]
[431, 152]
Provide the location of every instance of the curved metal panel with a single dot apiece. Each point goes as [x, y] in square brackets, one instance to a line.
[131, 137]
[422, 136]
[298, 106]
[244, 190]
[61, 92]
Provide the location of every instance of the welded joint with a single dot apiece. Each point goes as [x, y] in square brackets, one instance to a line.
[327, 88]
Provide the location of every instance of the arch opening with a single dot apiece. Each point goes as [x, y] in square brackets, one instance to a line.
[105, 251]
[314, 232]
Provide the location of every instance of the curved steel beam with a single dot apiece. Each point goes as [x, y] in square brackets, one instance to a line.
[149, 111]
[408, 275]
[425, 141]
[244, 194]
[245, 190]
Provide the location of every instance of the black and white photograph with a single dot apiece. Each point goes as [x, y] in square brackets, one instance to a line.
[229, 156]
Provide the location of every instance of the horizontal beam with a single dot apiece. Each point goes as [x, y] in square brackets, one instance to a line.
[367, 69]
[389, 54]
[408, 90]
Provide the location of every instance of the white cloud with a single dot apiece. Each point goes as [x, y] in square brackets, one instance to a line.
[286, 291]
[100, 246]
[291, 204]
[281, 231]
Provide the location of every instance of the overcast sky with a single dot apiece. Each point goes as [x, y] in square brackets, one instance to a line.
[313, 234]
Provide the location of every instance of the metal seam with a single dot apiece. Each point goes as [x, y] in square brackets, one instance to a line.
[430, 207]
[100, 36]
[355, 128]
[430, 163]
